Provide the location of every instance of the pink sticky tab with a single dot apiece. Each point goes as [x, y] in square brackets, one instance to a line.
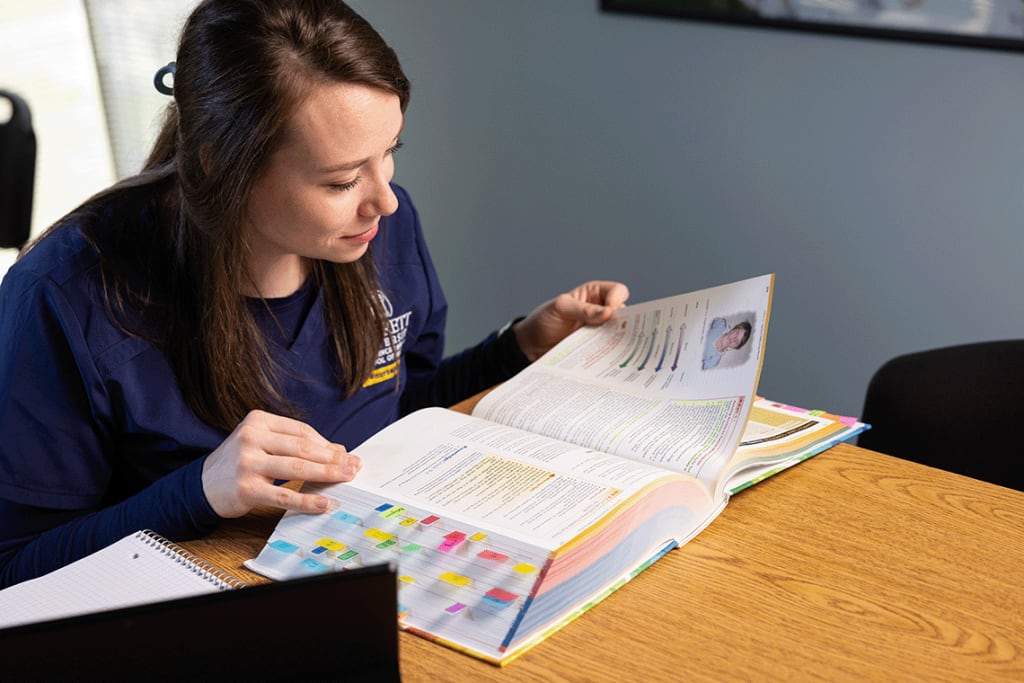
[429, 520]
[451, 541]
[501, 595]
[455, 608]
[492, 556]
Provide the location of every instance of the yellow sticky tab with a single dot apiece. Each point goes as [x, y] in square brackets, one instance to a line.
[478, 536]
[406, 579]
[455, 579]
[523, 568]
[330, 544]
[408, 521]
[378, 535]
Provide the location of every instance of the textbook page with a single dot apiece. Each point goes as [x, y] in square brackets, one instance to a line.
[650, 383]
[779, 436]
[526, 486]
[528, 494]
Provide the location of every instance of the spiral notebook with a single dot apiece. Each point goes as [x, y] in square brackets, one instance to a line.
[139, 569]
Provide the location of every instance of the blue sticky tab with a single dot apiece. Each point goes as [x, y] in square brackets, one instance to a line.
[313, 566]
[284, 546]
[343, 516]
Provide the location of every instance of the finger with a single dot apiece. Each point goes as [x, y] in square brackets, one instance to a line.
[286, 445]
[616, 295]
[283, 425]
[287, 499]
[292, 468]
[582, 311]
[606, 293]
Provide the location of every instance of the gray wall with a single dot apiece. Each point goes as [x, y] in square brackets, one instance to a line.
[548, 143]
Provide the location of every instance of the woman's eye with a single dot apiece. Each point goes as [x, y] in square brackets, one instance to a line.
[344, 187]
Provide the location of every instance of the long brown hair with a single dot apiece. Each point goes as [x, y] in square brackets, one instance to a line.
[242, 68]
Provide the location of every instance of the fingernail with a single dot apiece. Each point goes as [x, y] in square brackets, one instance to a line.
[349, 471]
[354, 461]
[321, 503]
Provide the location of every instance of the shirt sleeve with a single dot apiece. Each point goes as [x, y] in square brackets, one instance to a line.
[434, 380]
[55, 467]
[457, 377]
[34, 541]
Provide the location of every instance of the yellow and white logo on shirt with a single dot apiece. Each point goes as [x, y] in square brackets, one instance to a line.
[389, 356]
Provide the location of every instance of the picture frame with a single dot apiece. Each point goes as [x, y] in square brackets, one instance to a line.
[995, 24]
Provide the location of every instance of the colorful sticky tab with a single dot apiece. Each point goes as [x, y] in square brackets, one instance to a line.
[500, 597]
[343, 516]
[330, 544]
[491, 556]
[451, 541]
[383, 508]
[313, 566]
[455, 579]
[455, 608]
[408, 521]
[523, 568]
[384, 545]
[392, 512]
[478, 536]
[378, 535]
[346, 556]
[411, 547]
[284, 546]
[404, 578]
[429, 520]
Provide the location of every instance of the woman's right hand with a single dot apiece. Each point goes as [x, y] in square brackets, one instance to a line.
[264, 448]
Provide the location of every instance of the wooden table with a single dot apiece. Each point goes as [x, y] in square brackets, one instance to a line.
[852, 566]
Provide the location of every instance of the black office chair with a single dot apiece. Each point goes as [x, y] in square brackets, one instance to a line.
[958, 408]
[17, 173]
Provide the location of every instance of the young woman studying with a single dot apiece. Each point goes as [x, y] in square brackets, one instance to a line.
[256, 300]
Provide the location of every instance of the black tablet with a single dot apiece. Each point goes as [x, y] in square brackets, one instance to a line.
[341, 626]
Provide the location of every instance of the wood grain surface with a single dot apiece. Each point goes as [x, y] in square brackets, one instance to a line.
[851, 566]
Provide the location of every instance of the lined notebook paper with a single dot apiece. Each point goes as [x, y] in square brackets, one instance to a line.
[141, 568]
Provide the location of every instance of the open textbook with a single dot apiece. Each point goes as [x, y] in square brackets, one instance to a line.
[621, 443]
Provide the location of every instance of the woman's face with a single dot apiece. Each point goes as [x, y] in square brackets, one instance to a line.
[325, 189]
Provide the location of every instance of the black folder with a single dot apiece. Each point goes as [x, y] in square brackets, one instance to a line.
[341, 626]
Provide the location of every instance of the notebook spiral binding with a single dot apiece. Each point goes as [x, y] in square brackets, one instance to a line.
[207, 571]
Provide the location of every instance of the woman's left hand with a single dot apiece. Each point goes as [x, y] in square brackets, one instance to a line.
[591, 303]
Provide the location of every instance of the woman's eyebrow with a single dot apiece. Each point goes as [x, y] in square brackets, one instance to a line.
[353, 165]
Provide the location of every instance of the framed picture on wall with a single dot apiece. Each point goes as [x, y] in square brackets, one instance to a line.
[979, 23]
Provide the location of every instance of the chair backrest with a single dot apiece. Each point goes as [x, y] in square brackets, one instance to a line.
[958, 408]
[17, 172]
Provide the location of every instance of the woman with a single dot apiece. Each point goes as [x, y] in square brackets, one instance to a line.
[257, 298]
